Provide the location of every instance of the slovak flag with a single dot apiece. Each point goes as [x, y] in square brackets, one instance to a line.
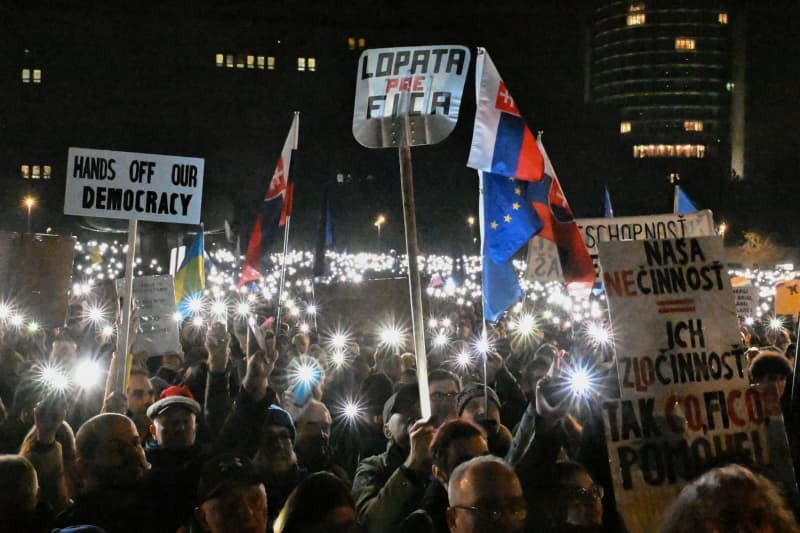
[274, 210]
[501, 141]
[550, 203]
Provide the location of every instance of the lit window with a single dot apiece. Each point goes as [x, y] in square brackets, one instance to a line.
[46, 172]
[270, 63]
[25, 171]
[730, 86]
[260, 62]
[351, 43]
[37, 75]
[362, 43]
[251, 62]
[693, 125]
[26, 75]
[35, 172]
[641, 151]
[301, 63]
[684, 43]
[624, 127]
[636, 16]
[312, 64]
[722, 18]
[229, 60]
[239, 61]
[220, 60]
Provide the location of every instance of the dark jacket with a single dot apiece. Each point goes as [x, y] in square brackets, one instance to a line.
[172, 482]
[385, 492]
[129, 510]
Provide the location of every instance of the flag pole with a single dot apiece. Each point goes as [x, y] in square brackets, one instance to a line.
[481, 222]
[415, 289]
[287, 198]
[283, 271]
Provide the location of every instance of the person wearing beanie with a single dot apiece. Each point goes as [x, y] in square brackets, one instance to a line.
[175, 456]
[471, 406]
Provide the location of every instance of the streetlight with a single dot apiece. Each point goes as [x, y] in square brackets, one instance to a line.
[29, 202]
[380, 221]
[723, 227]
[471, 224]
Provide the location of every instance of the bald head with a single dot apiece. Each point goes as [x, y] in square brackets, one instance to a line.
[108, 452]
[478, 490]
[313, 435]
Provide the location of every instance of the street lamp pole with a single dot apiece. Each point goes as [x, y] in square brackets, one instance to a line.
[29, 203]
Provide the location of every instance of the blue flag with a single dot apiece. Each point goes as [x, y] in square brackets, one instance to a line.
[608, 211]
[682, 204]
[509, 221]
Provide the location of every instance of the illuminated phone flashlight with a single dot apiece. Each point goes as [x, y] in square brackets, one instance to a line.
[88, 373]
[219, 311]
[195, 304]
[582, 381]
[440, 340]
[482, 345]
[197, 321]
[463, 360]
[338, 357]
[304, 328]
[52, 377]
[525, 325]
[108, 330]
[391, 336]
[177, 316]
[351, 411]
[243, 310]
[311, 309]
[749, 321]
[33, 326]
[339, 340]
[5, 311]
[775, 324]
[432, 323]
[95, 315]
[598, 334]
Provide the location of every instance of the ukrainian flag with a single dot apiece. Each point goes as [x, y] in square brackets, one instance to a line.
[190, 280]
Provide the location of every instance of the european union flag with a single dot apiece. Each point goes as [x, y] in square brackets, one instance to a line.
[509, 221]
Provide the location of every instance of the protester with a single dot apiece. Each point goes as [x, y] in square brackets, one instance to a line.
[321, 503]
[19, 500]
[230, 497]
[730, 498]
[388, 487]
[485, 497]
[111, 465]
[140, 397]
[443, 387]
[472, 406]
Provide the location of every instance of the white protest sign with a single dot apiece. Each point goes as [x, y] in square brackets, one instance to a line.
[408, 96]
[127, 185]
[154, 299]
[746, 299]
[543, 253]
[685, 401]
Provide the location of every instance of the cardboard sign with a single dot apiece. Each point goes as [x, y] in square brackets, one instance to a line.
[685, 401]
[787, 297]
[36, 274]
[127, 185]
[408, 96]
[154, 303]
[596, 230]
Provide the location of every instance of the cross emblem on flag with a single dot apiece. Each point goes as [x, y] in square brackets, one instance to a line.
[278, 183]
[504, 101]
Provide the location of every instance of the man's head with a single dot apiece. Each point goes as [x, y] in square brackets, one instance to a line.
[485, 496]
[174, 418]
[301, 343]
[231, 499]
[275, 453]
[455, 442]
[400, 412]
[770, 367]
[64, 350]
[313, 436]
[20, 492]
[444, 387]
[581, 501]
[109, 453]
[140, 391]
[374, 391]
[172, 360]
[471, 406]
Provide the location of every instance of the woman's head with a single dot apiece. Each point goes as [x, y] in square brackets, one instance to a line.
[731, 498]
[321, 503]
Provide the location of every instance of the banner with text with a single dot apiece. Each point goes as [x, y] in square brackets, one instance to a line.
[127, 185]
[154, 305]
[543, 261]
[685, 404]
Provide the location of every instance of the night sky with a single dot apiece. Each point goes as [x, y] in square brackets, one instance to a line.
[143, 79]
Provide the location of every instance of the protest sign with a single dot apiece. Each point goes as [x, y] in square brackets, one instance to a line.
[746, 300]
[596, 230]
[787, 297]
[154, 303]
[408, 96]
[685, 401]
[127, 185]
[35, 275]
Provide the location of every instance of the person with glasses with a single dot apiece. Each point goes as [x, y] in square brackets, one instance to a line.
[444, 387]
[485, 497]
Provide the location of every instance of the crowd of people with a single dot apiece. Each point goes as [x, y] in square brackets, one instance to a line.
[274, 430]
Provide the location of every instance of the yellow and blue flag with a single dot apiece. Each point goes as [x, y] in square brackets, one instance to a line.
[190, 279]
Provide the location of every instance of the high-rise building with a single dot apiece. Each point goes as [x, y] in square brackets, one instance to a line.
[672, 74]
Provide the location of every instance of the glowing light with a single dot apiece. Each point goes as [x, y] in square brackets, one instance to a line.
[463, 360]
[53, 378]
[243, 309]
[599, 335]
[338, 358]
[446, 322]
[311, 309]
[95, 315]
[749, 321]
[195, 304]
[775, 323]
[177, 316]
[440, 340]
[108, 330]
[33, 327]
[88, 373]
[432, 323]
[5, 311]
[197, 321]
[579, 382]
[339, 340]
[17, 321]
[304, 328]
[482, 345]
[525, 325]
[350, 411]
[219, 310]
[391, 336]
